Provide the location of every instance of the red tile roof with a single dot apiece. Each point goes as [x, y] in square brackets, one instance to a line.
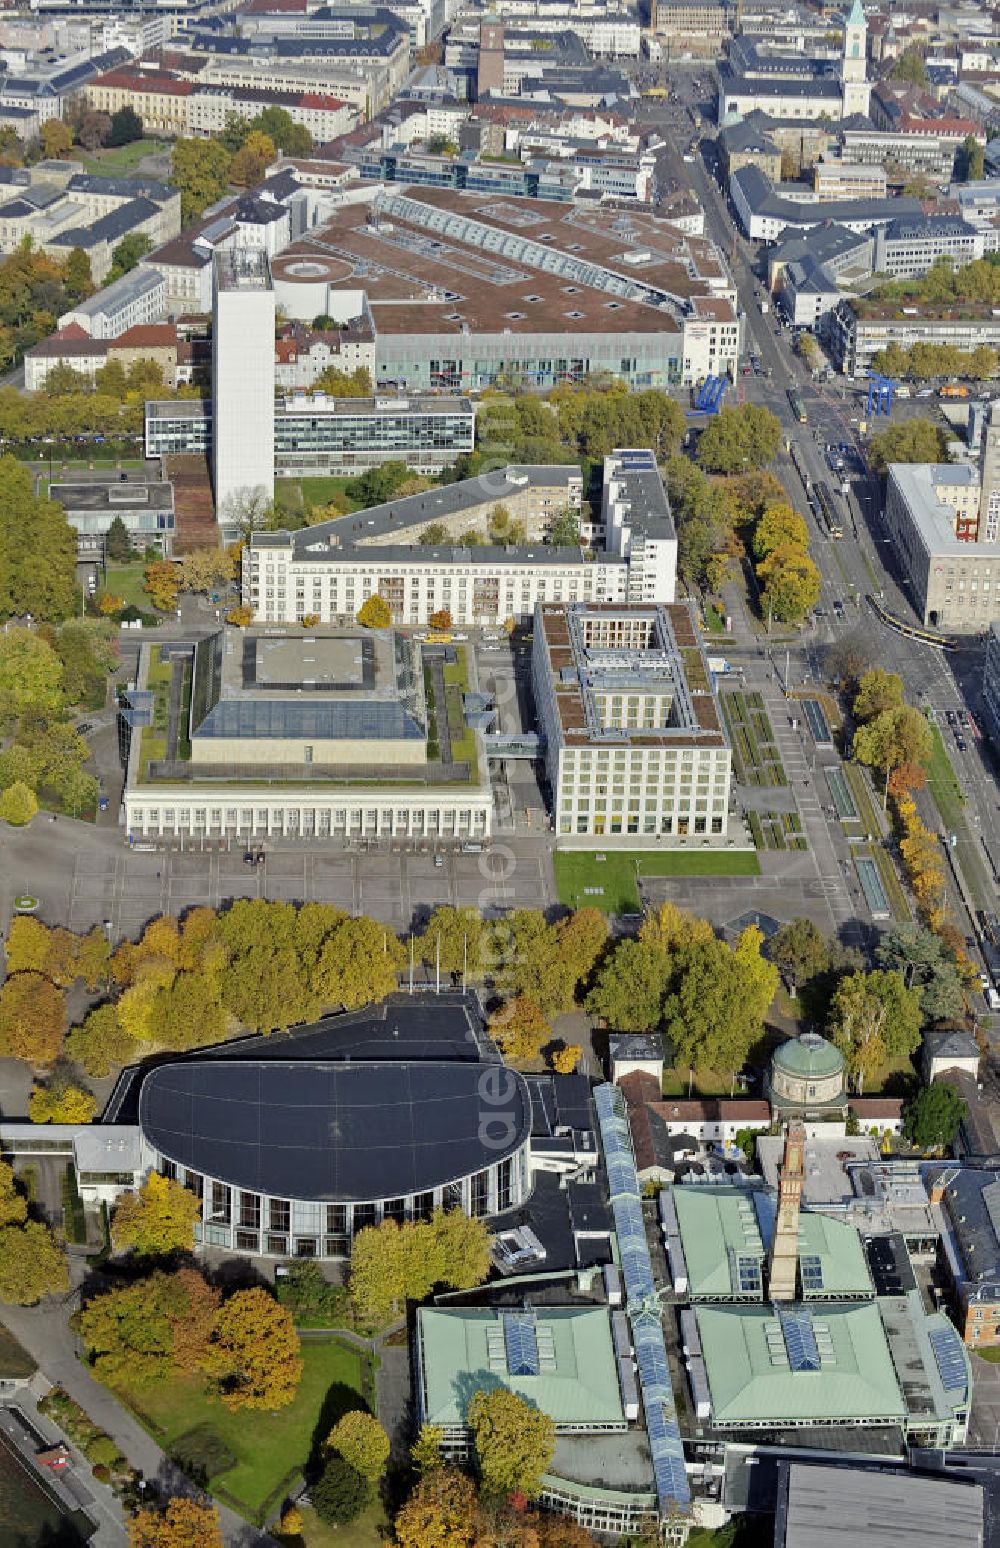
[315, 99]
[145, 80]
[158, 335]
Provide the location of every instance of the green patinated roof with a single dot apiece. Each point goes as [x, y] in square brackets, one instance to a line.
[809, 1054]
[715, 1222]
[856, 16]
[720, 1225]
[748, 1387]
[579, 1384]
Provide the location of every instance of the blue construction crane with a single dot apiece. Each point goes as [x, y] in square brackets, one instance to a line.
[880, 393]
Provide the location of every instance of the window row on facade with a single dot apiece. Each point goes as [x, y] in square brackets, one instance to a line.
[245, 1221]
[309, 821]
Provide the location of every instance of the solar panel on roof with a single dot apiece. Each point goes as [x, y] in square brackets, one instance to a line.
[521, 1343]
[950, 1359]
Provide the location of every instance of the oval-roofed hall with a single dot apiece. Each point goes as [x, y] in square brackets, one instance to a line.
[295, 1142]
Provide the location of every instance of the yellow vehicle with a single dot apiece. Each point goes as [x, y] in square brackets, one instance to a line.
[439, 639]
[954, 390]
[656, 91]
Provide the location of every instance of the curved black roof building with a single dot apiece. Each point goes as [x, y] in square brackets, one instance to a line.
[335, 1132]
[295, 1142]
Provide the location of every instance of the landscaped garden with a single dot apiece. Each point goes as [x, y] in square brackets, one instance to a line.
[756, 758]
[249, 1461]
[777, 830]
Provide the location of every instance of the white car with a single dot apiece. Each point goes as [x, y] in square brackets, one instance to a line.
[460, 637]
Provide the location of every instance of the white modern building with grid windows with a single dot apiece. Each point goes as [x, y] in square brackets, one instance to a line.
[634, 741]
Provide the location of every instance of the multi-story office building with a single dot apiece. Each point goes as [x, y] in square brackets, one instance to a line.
[242, 382]
[946, 543]
[991, 682]
[859, 329]
[314, 434]
[317, 434]
[834, 180]
[927, 146]
[908, 247]
[634, 745]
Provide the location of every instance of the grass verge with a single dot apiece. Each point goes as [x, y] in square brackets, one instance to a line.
[945, 790]
[583, 881]
[270, 1449]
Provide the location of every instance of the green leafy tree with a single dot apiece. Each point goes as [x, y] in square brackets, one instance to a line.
[800, 951]
[715, 1012]
[433, 535]
[877, 690]
[37, 550]
[157, 1220]
[911, 440]
[910, 66]
[18, 804]
[126, 126]
[738, 439]
[873, 1016]
[100, 1044]
[291, 138]
[630, 986]
[127, 254]
[77, 277]
[362, 1442]
[393, 1263]
[455, 939]
[360, 962]
[31, 674]
[893, 737]
[932, 1116]
[514, 1442]
[374, 613]
[32, 1264]
[564, 529]
[340, 1494]
[200, 169]
[118, 542]
[927, 963]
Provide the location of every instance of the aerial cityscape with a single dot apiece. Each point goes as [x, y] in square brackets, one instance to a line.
[500, 774]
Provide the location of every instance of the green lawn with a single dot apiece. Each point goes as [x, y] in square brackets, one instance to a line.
[118, 162]
[270, 1448]
[942, 784]
[125, 580]
[14, 1361]
[615, 876]
[371, 1530]
[320, 491]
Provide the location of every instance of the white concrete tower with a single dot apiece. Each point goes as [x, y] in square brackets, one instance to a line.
[242, 384]
[854, 65]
